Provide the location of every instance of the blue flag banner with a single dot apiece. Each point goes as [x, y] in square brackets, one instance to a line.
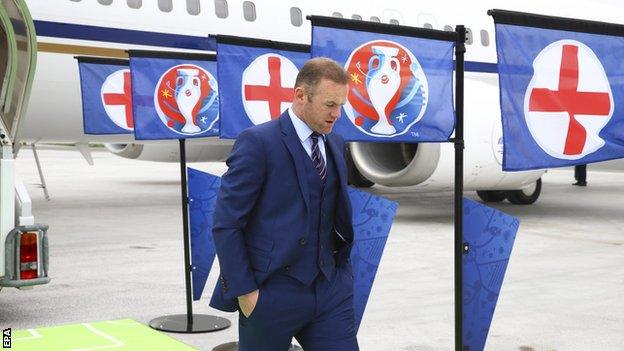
[489, 235]
[203, 189]
[561, 95]
[400, 89]
[105, 85]
[372, 220]
[258, 79]
[174, 98]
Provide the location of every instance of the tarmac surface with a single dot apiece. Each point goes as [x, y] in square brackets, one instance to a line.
[116, 252]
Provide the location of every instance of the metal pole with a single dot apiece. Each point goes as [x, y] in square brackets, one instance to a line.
[187, 323]
[459, 183]
[185, 234]
[43, 183]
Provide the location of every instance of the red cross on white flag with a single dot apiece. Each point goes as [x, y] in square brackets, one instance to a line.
[268, 87]
[117, 98]
[568, 100]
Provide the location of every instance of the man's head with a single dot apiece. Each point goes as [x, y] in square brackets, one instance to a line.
[320, 91]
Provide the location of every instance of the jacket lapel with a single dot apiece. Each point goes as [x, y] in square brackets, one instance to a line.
[293, 144]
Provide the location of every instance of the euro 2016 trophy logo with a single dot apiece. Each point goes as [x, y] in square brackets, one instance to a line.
[186, 99]
[388, 89]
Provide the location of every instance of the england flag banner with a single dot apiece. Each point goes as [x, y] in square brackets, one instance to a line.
[174, 96]
[561, 90]
[258, 80]
[401, 79]
[106, 96]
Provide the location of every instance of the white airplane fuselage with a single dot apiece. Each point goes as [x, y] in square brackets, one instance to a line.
[69, 28]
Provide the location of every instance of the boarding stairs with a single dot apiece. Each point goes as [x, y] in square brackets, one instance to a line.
[23, 244]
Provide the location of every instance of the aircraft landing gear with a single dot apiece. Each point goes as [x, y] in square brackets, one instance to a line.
[525, 196]
[492, 195]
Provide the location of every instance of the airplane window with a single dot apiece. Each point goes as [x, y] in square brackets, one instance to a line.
[221, 8]
[428, 25]
[485, 37]
[394, 21]
[448, 28]
[375, 19]
[192, 7]
[356, 17]
[249, 11]
[468, 36]
[337, 14]
[105, 2]
[135, 4]
[295, 16]
[165, 5]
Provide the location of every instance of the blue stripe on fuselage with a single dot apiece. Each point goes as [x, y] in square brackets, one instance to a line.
[116, 35]
[482, 67]
[138, 37]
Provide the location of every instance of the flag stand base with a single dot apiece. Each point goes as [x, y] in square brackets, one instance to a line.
[233, 346]
[178, 323]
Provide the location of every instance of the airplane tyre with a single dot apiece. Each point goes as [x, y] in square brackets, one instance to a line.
[525, 196]
[355, 178]
[492, 195]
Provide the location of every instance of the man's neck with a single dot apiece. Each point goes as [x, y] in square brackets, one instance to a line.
[298, 113]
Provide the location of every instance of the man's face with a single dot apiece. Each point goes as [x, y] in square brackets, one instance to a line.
[321, 109]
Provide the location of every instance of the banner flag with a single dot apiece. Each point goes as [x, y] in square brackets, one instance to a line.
[561, 90]
[372, 220]
[203, 189]
[489, 237]
[401, 79]
[174, 95]
[258, 79]
[106, 96]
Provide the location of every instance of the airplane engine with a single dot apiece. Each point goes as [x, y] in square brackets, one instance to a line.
[395, 164]
[170, 151]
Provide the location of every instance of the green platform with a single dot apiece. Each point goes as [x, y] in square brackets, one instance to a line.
[119, 335]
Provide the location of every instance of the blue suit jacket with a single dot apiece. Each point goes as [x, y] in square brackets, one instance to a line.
[262, 209]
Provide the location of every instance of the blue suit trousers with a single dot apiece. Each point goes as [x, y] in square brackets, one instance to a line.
[319, 316]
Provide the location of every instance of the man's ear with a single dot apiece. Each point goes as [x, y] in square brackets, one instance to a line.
[300, 94]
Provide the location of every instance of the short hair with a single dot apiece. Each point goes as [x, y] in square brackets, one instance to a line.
[318, 68]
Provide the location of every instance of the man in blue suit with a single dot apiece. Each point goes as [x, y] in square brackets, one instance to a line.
[282, 224]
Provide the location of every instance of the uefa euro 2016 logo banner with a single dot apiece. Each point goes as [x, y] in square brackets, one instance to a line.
[400, 87]
[174, 98]
[259, 81]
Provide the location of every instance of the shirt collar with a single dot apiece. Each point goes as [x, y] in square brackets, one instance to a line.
[302, 129]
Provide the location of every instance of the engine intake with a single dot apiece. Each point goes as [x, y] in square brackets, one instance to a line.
[396, 164]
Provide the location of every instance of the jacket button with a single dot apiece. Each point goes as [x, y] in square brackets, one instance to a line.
[287, 268]
[322, 262]
[302, 241]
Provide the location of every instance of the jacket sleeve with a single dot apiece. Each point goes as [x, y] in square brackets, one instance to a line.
[343, 223]
[240, 187]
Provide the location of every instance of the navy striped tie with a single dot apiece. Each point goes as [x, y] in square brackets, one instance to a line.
[317, 158]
